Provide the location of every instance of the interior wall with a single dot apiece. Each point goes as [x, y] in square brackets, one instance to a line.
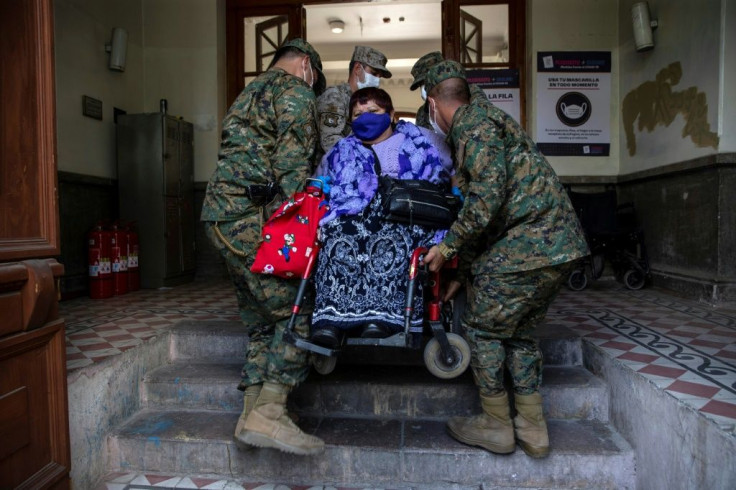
[575, 25]
[727, 27]
[670, 95]
[184, 61]
[82, 28]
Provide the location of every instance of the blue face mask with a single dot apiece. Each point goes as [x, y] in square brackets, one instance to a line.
[369, 126]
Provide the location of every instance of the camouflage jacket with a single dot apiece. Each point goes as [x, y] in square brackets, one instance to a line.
[477, 96]
[332, 115]
[514, 203]
[268, 135]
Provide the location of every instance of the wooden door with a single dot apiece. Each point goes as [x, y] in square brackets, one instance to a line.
[34, 433]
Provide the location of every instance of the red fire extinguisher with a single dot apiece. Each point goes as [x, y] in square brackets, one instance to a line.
[100, 270]
[134, 275]
[119, 257]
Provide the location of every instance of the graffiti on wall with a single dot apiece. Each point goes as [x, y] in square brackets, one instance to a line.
[655, 103]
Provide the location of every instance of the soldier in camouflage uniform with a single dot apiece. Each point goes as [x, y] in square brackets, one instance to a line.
[419, 72]
[516, 207]
[367, 67]
[269, 139]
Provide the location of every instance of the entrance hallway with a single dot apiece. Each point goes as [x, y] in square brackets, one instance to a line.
[684, 348]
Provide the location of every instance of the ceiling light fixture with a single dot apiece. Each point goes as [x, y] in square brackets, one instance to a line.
[337, 26]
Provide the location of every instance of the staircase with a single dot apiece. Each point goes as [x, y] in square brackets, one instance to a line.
[384, 426]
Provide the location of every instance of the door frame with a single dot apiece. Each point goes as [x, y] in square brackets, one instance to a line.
[237, 10]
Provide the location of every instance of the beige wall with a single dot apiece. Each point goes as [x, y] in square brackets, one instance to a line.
[175, 52]
[574, 25]
[82, 27]
[728, 80]
[680, 117]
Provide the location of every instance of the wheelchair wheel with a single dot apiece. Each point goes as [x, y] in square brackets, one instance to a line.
[634, 279]
[324, 364]
[577, 280]
[436, 364]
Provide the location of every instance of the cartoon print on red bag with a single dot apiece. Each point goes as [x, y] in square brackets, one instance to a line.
[288, 246]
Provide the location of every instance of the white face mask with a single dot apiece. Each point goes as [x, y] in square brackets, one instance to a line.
[311, 74]
[433, 120]
[424, 93]
[368, 80]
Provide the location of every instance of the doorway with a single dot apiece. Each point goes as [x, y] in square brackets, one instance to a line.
[481, 34]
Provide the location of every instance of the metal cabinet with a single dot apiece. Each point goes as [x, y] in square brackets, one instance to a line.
[155, 154]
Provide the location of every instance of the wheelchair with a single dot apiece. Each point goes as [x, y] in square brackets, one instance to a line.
[614, 237]
[446, 353]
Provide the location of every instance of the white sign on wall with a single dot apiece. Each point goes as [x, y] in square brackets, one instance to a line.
[501, 87]
[573, 103]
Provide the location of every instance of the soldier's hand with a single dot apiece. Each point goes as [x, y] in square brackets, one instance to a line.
[452, 290]
[434, 259]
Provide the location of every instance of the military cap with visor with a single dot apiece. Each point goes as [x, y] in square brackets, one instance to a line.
[423, 64]
[373, 58]
[320, 83]
[443, 71]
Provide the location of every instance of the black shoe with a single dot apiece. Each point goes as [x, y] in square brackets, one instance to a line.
[326, 337]
[374, 331]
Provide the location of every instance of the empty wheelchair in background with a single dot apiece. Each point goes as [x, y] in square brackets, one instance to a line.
[614, 237]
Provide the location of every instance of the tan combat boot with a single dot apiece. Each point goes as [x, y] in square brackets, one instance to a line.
[269, 425]
[492, 430]
[249, 401]
[530, 426]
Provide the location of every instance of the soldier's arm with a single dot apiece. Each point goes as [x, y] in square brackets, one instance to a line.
[296, 137]
[485, 165]
[331, 119]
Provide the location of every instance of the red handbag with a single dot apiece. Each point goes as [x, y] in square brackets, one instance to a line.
[289, 237]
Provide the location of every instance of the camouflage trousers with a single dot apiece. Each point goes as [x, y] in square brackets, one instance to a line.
[501, 315]
[265, 303]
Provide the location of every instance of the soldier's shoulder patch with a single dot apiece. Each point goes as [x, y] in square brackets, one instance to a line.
[330, 119]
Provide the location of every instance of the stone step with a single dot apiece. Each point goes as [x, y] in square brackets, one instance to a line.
[213, 341]
[376, 391]
[371, 452]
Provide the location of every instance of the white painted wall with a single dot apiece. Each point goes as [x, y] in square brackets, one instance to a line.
[574, 25]
[689, 32]
[82, 27]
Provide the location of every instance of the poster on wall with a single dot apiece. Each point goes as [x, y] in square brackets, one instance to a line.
[574, 103]
[501, 87]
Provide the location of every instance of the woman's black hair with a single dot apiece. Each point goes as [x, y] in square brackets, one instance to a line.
[365, 95]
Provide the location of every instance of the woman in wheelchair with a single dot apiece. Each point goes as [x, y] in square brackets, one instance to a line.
[361, 274]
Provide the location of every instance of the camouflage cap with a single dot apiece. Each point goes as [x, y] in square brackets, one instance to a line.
[441, 72]
[373, 58]
[320, 83]
[419, 70]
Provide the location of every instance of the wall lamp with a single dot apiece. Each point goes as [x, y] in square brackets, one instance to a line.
[117, 48]
[643, 26]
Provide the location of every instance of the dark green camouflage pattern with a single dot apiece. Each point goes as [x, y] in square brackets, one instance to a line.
[332, 115]
[503, 311]
[514, 202]
[265, 303]
[441, 71]
[419, 70]
[268, 135]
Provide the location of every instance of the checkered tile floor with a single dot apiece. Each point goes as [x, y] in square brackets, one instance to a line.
[686, 348]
